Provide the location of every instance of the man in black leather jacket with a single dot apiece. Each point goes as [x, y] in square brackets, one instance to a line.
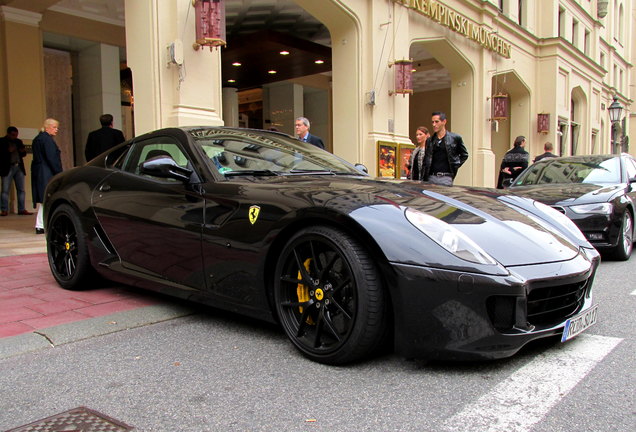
[445, 153]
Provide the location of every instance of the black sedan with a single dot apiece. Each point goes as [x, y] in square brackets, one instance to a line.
[597, 192]
[264, 225]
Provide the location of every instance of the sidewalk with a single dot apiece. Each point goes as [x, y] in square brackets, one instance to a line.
[35, 312]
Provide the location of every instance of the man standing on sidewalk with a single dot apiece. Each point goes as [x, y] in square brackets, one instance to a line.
[445, 153]
[12, 151]
[103, 139]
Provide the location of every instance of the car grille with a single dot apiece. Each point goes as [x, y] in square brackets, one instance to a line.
[559, 209]
[543, 307]
[551, 305]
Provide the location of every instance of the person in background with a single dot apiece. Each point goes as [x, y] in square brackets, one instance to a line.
[547, 148]
[514, 162]
[416, 163]
[12, 151]
[46, 163]
[102, 139]
[302, 126]
[445, 152]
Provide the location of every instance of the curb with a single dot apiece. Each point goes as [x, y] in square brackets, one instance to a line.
[80, 330]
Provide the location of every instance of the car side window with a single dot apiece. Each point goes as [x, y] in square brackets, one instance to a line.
[630, 164]
[142, 151]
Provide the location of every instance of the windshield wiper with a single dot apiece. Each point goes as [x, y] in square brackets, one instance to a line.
[308, 171]
[251, 173]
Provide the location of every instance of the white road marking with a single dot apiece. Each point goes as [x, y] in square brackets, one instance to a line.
[633, 292]
[524, 398]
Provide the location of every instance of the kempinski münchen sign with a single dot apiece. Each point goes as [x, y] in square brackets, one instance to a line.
[460, 24]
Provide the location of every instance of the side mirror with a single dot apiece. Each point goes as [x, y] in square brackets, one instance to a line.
[362, 168]
[165, 167]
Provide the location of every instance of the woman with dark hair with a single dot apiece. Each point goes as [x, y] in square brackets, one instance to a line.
[416, 163]
[46, 163]
[513, 163]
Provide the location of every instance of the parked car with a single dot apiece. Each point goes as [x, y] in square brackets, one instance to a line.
[597, 192]
[262, 224]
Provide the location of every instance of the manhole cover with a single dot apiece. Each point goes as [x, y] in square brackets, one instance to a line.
[80, 419]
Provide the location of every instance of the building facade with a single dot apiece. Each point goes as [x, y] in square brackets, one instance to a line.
[555, 66]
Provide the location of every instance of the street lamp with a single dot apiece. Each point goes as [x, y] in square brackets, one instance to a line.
[615, 111]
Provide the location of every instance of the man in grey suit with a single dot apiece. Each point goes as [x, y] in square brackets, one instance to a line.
[302, 126]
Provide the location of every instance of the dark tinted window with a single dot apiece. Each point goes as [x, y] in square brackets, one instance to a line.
[593, 169]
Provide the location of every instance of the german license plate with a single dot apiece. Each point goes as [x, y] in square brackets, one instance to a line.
[579, 323]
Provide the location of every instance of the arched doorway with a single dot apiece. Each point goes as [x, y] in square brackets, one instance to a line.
[518, 122]
[443, 81]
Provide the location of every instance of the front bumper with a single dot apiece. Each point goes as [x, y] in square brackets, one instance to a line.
[453, 315]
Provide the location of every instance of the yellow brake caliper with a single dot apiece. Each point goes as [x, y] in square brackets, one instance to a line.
[303, 290]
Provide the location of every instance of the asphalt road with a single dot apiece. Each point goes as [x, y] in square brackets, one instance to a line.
[214, 371]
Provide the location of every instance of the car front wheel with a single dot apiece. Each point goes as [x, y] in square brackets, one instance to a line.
[329, 296]
[623, 249]
[67, 250]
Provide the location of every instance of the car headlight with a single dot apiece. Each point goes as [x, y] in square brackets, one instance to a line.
[597, 208]
[562, 220]
[448, 237]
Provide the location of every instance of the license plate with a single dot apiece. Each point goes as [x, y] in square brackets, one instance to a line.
[579, 323]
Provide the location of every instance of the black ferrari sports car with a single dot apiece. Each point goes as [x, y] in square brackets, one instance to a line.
[259, 223]
[597, 192]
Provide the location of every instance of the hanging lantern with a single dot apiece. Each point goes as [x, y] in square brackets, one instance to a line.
[601, 8]
[500, 107]
[403, 77]
[543, 123]
[209, 18]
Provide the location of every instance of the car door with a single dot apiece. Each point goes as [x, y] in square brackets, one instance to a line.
[630, 169]
[154, 223]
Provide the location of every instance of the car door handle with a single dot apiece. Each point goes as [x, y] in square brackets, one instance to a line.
[104, 188]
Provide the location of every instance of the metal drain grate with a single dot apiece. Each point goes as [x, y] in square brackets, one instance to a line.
[79, 419]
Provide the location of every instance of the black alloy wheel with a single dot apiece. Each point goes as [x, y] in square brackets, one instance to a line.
[67, 250]
[329, 296]
[623, 249]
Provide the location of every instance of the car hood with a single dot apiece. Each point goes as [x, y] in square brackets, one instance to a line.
[502, 225]
[568, 194]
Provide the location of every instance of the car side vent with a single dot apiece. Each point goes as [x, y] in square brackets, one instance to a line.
[551, 305]
[559, 209]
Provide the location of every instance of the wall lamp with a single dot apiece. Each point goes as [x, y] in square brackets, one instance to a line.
[543, 123]
[209, 19]
[403, 77]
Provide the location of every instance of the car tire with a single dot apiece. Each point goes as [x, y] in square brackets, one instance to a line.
[67, 249]
[623, 249]
[329, 296]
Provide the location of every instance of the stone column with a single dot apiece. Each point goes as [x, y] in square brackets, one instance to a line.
[168, 93]
[22, 96]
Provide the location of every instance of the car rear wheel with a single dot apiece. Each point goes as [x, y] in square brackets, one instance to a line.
[329, 296]
[67, 249]
[623, 249]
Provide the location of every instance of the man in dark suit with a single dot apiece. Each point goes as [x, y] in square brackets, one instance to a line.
[302, 133]
[12, 151]
[548, 152]
[104, 138]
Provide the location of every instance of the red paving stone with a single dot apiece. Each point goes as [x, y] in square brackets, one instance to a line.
[30, 299]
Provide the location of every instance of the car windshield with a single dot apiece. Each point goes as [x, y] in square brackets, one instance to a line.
[599, 169]
[261, 153]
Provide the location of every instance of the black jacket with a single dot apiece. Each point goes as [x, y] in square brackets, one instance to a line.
[317, 141]
[46, 163]
[544, 155]
[515, 157]
[5, 155]
[101, 140]
[455, 150]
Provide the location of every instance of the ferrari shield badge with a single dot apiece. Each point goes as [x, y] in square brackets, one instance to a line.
[253, 213]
